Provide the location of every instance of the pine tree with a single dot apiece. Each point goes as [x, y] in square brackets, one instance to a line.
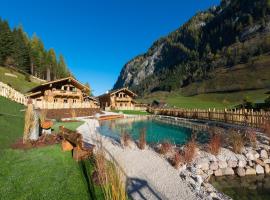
[6, 44]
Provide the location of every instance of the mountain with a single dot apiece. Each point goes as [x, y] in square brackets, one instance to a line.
[226, 48]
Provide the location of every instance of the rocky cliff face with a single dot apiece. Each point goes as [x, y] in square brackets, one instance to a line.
[232, 33]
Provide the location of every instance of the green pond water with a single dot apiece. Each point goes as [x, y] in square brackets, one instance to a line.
[243, 188]
[155, 131]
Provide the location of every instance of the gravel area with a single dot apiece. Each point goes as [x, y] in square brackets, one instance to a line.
[149, 175]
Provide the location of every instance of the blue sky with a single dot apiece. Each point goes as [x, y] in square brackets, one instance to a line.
[97, 37]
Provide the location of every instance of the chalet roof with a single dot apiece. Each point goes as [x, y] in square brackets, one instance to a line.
[119, 90]
[75, 82]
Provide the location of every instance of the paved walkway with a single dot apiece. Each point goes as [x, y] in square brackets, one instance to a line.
[150, 177]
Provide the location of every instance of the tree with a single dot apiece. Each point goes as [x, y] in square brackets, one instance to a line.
[62, 70]
[6, 42]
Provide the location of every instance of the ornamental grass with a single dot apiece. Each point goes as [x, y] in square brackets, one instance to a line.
[142, 139]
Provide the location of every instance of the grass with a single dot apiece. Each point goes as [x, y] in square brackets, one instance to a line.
[42, 173]
[132, 112]
[69, 125]
[205, 101]
[11, 122]
[20, 83]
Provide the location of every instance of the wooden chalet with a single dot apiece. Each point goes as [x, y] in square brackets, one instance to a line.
[62, 93]
[120, 99]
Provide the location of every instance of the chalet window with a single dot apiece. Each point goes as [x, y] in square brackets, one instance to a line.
[65, 100]
[120, 104]
[55, 100]
[38, 99]
[74, 100]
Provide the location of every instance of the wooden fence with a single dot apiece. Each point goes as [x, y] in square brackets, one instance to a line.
[12, 94]
[234, 116]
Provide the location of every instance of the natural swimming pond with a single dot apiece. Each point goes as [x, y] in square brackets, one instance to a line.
[156, 131]
[241, 188]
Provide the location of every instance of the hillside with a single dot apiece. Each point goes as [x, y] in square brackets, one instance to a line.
[17, 80]
[223, 49]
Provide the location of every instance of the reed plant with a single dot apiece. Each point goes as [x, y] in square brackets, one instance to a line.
[177, 159]
[214, 144]
[142, 139]
[189, 151]
[165, 147]
[252, 137]
[237, 141]
[110, 177]
[125, 138]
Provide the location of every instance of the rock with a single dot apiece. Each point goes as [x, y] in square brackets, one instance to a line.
[222, 164]
[199, 171]
[242, 163]
[260, 162]
[252, 155]
[240, 171]
[250, 163]
[228, 171]
[202, 164]
[266, 168]
[267, 161]
[218, 172]
[263, 154]
[250, 171]
[232, 163]
[213, 166]
[259, 169]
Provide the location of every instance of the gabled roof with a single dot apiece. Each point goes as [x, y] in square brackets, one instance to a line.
[76, 83]
[119, 90]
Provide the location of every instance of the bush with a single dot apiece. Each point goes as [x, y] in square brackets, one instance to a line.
[190, 150]
[237, 141]
[142, 139]
[215, 144]
[166, 146]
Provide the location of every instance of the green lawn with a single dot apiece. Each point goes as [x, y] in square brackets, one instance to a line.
[132, 112]
[19, 83]
[69, 125]
[205, 101]
[11, 122]
[42, 173]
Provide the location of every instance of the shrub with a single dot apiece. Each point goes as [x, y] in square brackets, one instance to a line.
[190, 150]
[214, 144]
[142, 139]
[165, 147]
[237, 141]
[177, 160]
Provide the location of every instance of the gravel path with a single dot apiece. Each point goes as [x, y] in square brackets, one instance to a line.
[149, 175]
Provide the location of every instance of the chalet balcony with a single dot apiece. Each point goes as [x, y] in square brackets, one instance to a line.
[66, 93]
[122, 99]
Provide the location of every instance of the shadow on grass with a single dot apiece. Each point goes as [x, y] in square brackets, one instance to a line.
[86, 169]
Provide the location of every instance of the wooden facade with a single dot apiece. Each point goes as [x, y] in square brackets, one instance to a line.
[62, 93]
[121, 99]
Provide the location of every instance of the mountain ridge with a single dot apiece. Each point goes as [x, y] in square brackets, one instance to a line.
[235, 32]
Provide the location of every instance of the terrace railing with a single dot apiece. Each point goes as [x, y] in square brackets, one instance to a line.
[12, 94]
[235, 116]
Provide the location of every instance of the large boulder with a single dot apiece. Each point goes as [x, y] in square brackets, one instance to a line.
[202, 163]
[218, 172]
[266, 168]
[242, 163]
[228, 171]
[222, 164]
[252, 155]
[250, 171]
[267, 161]
[263, 154]
[259, 169]
[213, 166]
[232, 163]
[240, 171]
